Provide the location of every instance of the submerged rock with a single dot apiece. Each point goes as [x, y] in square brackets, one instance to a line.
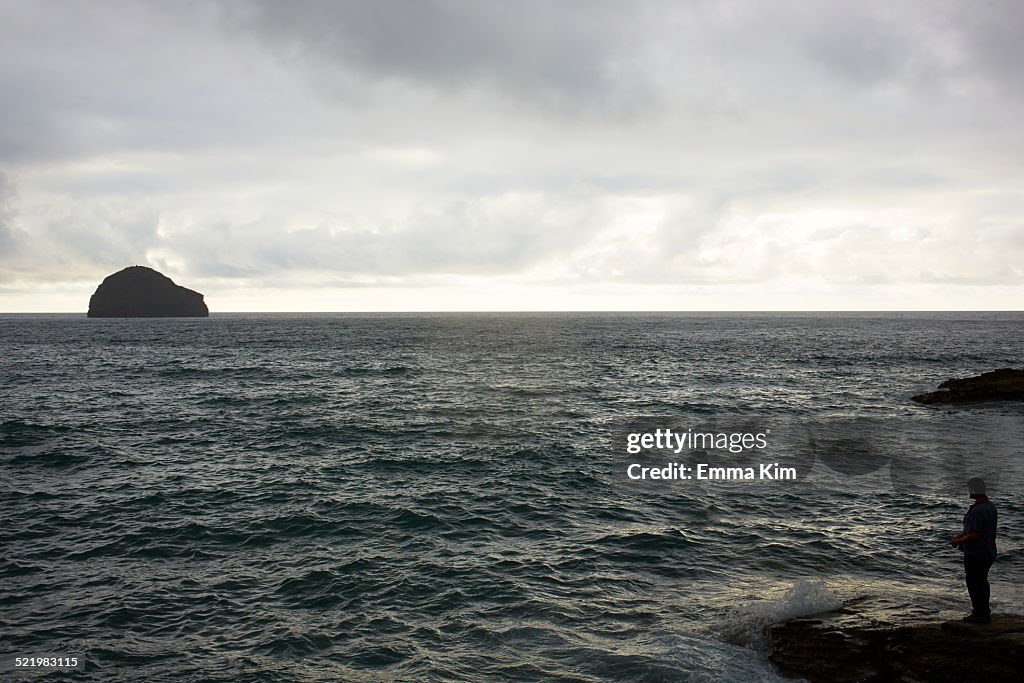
[1006, 384]
[140, 292]
[834, 649]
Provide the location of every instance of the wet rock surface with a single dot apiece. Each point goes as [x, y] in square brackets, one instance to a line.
[847, 646]
[1005, 384]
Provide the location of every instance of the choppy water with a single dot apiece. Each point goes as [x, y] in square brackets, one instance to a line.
[441, 497]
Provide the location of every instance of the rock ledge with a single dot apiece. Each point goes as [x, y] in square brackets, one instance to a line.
[1005, 384]
[824, 650]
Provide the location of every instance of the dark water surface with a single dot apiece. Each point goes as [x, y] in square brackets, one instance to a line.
[441, 496]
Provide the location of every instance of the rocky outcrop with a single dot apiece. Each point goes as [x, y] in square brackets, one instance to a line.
[140, 292]
[827, 650]
[1006, 384]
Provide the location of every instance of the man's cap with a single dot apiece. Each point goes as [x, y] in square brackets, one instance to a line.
[976, 485]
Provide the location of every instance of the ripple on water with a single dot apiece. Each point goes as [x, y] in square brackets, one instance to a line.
[431, 497]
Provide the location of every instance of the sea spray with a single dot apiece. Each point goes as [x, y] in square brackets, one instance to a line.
[746, 625]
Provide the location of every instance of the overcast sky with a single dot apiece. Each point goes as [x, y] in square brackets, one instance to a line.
[441, 155]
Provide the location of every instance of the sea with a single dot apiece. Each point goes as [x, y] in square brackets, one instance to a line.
[446, 497]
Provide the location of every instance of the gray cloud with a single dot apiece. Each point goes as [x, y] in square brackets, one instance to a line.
[990, 38]
[552, 52]
[492, 235]
[8, 243]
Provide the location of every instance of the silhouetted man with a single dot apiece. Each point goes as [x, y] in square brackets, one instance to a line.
[978, 544]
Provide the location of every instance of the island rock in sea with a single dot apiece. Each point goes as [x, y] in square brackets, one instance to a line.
[1006, 384]
[140, 292]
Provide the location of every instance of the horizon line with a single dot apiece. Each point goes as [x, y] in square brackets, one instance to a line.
[435, 311]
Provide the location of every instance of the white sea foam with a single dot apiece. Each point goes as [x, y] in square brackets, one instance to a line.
[746, 624]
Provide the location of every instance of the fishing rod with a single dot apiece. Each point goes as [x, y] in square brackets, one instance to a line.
[928, 553]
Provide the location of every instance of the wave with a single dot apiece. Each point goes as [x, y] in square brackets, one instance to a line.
[15, 433]
[747, 624]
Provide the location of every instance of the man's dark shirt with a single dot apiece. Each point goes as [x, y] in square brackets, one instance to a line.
[981, 517]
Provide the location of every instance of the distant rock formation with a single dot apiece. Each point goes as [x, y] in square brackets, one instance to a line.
[140, 292]
[843, 648]
[1006, 384]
